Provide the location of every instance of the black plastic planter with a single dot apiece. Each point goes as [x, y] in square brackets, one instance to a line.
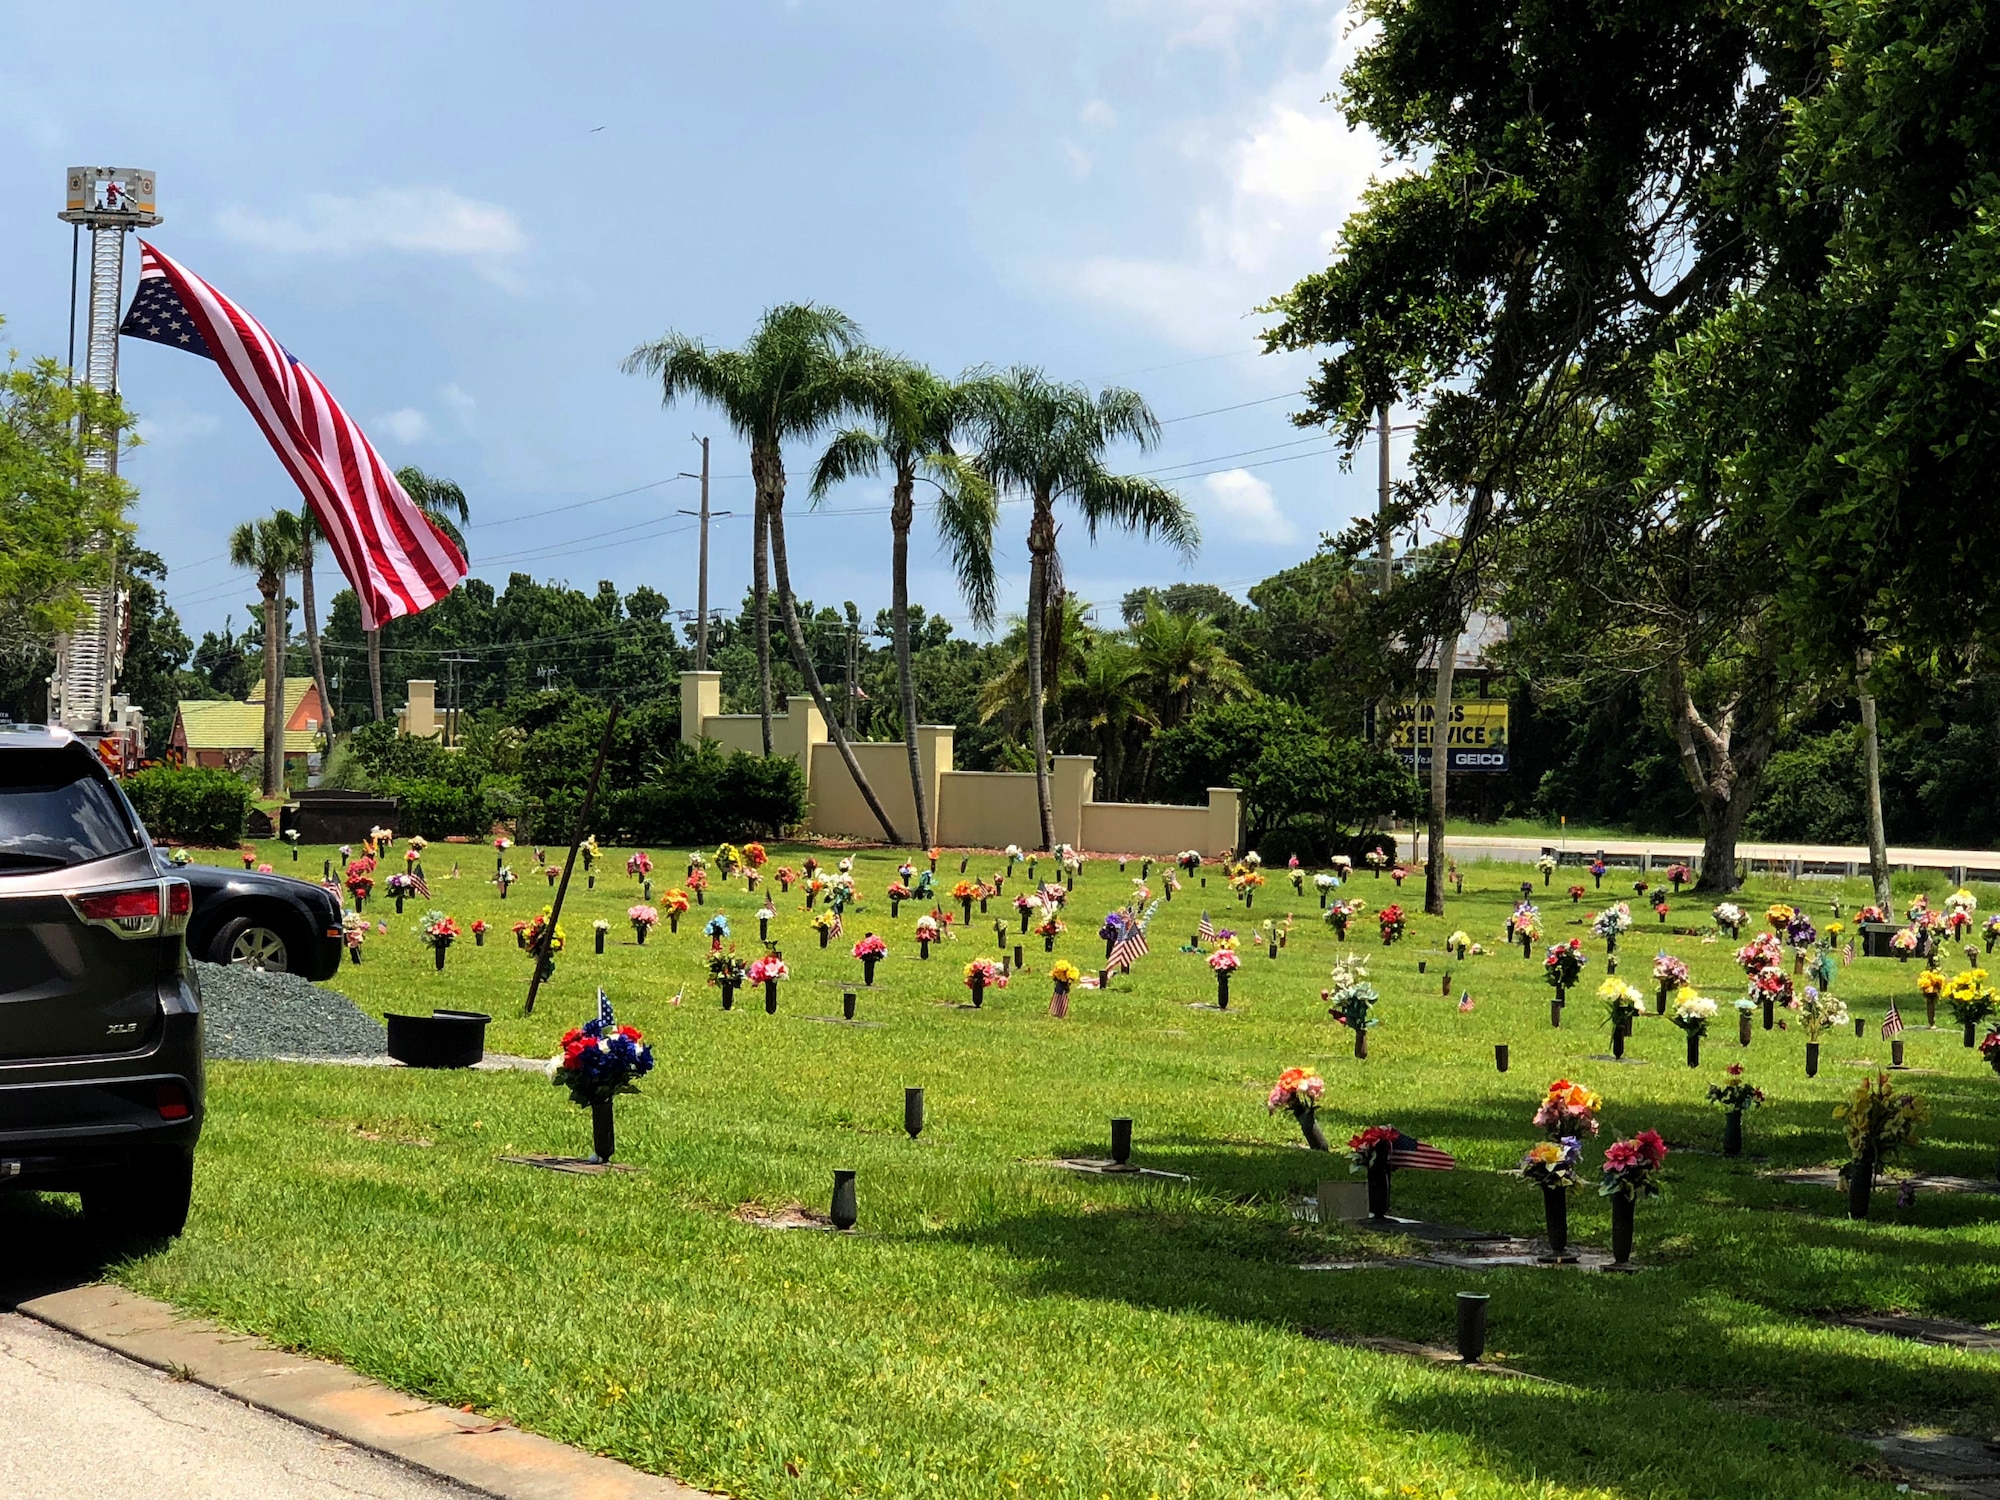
[1694, 1049]
[1743, 1029]
[442, 1039]
[1308, 1119]
[1121, 1142]
[1471, 1326]
[1732, 1133]
[770, 997]
[603, 1131]
[1622, 1205]
[845, 1212]
[1860, 1187]
[1499, 1057]
[1812, 1059]
[600, 942]
[868, 969]
[437, 952]
[728, 995]
[978, 992]
[1378, 1185]
[913, 1112]
[1555, 1219]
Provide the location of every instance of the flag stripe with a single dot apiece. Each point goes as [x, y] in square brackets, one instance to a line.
[397, 558]
[1406, 1154]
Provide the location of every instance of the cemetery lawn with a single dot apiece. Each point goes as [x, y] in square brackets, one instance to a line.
[998, 1326]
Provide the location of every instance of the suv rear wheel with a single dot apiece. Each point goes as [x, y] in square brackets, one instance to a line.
[145, 1199]
[254, 942]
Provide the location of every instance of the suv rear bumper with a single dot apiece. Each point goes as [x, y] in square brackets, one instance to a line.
[63, 1120]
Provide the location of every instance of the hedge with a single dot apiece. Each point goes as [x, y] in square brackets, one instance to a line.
[190, 804]
[435, 809]
[695, 797]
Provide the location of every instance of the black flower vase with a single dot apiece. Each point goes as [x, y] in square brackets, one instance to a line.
[1770, 1011]
[674, 922]
[1812, 1059]
[895, 905]
[978, 992]
[355, 954]
[437, 950]
[770, 997]
[603, 1131]
[1743, 1029]
[1308, 1119]
[1378, 1186]
[1024, 919]
[825, 936]
[399, 903]
[868, 969]
[479, 940]
[1617, 1040]
[1222, 989]
[923, 948]
[728, 995]
[1622, 1205]
[847, 1005]
[965, 908]
[1694, 1050]
[913, 1112]
[1860, 1186]
[1930, 1001]
[1660, 999]
[600, 941]
[1361, 1042]
[1555, 1218]
[844, 1212]
[1556, 1012]
[1968, 1032]
[1732, 1133]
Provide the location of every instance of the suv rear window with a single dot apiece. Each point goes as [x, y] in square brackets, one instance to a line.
[55, 811]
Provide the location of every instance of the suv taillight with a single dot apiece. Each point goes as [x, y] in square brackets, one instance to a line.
[172, 1102]
[120, 906]
[137, 911]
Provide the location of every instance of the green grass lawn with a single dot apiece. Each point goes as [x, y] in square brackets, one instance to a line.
[999, 1327]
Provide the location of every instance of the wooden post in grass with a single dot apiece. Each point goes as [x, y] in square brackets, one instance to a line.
[544, 949]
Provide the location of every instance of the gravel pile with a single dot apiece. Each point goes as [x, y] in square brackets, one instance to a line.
[251, 1015]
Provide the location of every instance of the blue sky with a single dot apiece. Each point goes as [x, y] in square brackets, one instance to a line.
[463, 216]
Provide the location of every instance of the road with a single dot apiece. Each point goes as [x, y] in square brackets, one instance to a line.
[80, 1423]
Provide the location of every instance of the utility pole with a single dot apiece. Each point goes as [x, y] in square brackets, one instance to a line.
[451, 665]
[701, 588]
[853, 648]
[1384, 542]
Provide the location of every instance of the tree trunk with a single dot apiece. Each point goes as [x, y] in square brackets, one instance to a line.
[274, 692]
[1041, 542]
[375, 671]
[311, 611]
[1871, 754]
[788, 614]
[900, 517]
[760, 590]
[1723, 767]
[1447, 665]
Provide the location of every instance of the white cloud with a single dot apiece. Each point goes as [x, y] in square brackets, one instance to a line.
[1099, 114]
[1212, 24]
[1079, 160]
[1243, 506]
[405, 424]
[1271, 187]
[176, 428]
[460, 400]
[421, 221]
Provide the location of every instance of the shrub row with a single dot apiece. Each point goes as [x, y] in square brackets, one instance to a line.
[190, 804]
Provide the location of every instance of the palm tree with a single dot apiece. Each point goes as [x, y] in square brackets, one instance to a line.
[1101, 705]
[801, 371]
[915, 420]
[270, 548]
[445, 503]
[1185, 668]
[1046, 439]
[1005, 695]
[309, 536]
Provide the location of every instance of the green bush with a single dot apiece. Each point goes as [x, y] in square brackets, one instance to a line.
[695, 796]
[435, 809]
[190, 804]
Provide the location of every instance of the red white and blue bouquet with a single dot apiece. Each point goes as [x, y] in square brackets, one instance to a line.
[601, 1059]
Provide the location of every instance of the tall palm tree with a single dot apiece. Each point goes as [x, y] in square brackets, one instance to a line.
[270, 549]
[1004, 696]
[1102, 704]
[445, 503]
[801, 371]
[1046, 440]
[1184, 667]
[309, 537]
[914, 421]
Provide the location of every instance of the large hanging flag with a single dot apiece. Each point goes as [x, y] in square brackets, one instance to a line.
[398, 560]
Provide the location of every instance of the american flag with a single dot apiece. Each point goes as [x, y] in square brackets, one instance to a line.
[1132, 945]
[1206, 932]
[604, 1007]
[1847, 951]
[1892, 1024]
[418, 884]
[1465, 1000]
[836, 922]
[398, 561]
[1408, 1154]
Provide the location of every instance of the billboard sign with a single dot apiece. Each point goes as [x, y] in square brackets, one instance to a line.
[1475, 735]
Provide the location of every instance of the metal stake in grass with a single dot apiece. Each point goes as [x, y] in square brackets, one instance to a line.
[913, 1112]
[546, 946]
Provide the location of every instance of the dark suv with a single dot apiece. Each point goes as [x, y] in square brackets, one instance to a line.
[100, 1026]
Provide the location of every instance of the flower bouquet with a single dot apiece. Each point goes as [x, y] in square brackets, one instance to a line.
[1563, 968]
[643, 919]
[1971, 1000]
[1779, 915]
[728, 859]
[440, 931]
[1680, 875]
[1062, 974]
[1300, 1091]
[1378, 859]
[898, 893]
[1343, 867]
[504, 878]
[1338, 915]
[1734, 1096]
[823, 923]
[871, 950]
[1460, 942]
[1692, 1013]
[767, 971]
[673, 902]
[965, 893]
[1621, 1007]
[639, 865]
[545, 942]
[1189, 860]
[1547, 865]
[726, 971]
[1880, 1122]
[1989, 1050]
[600, 928]
[479, 932]
[590, 851]
[1871, 914]
[1575, 894]
[1597, 870]
[1670, 973]
[1555, 1166]
[1609, 923]
[599, 1061]
[1631, 1172]
[360, 880]
[1818, 1014]
[927, 933]
[981, 975]
[1760, 953]
[1391, 920]
[1223, 962]
[354, 932]
[785, 876]
[1373, 1152]
[1568, 1109]
[1729, 915]
[1325, 884]
[1352, 999]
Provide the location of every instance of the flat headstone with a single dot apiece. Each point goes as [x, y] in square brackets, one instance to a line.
[1829, 1177]
[1970, 1466]
[582, 1166]
[1941, 1331]
[1103, 1167]
[791, 1216]
[1433, 1352]
[843, 1021]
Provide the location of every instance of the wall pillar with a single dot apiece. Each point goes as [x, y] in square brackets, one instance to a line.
[701, 699]
[934, 748]
[798, 731]
[1225, 818]
[1072, 779]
